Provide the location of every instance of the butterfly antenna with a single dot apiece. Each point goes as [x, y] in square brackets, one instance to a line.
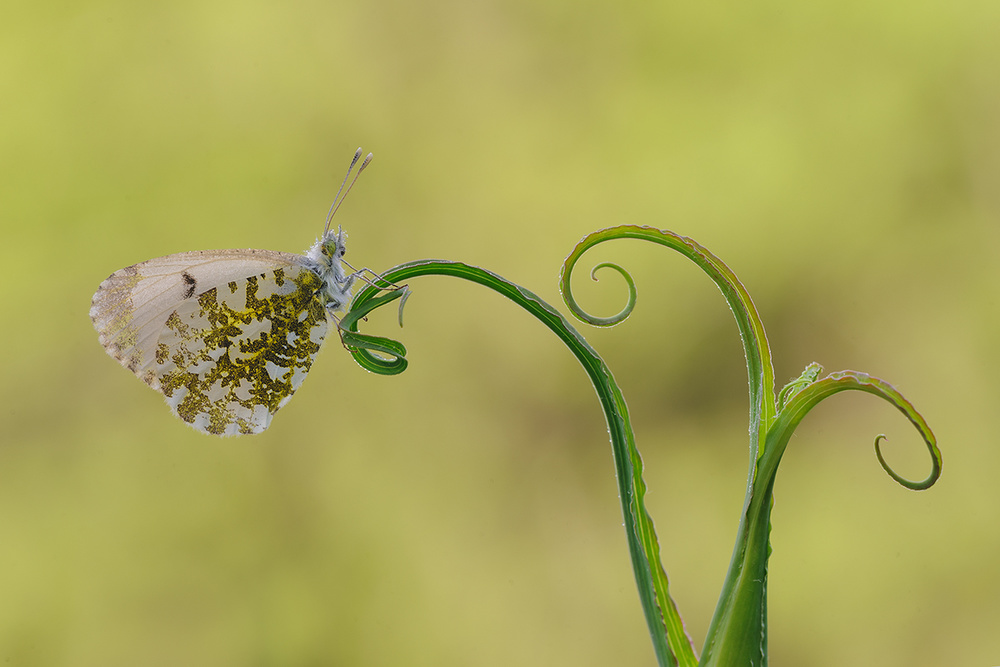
[338, 200]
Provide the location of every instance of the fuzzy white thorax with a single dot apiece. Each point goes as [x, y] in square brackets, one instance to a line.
[325, 256]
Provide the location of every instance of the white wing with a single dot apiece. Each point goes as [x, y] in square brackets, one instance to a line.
[226, 335]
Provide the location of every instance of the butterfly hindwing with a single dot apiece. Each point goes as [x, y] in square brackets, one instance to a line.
[227, 336]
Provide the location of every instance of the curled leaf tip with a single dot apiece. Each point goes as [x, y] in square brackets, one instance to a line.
[797, 404]
[604, 321]
[374, 353]
[910, 484]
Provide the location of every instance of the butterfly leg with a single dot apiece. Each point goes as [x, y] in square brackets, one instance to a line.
[372, 278]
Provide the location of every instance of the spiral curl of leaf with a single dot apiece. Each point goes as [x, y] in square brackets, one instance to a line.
[593, 319]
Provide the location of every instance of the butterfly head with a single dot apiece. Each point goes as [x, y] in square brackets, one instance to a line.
[333, 246]
[327, 252]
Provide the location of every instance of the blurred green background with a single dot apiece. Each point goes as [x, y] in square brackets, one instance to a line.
[842, 158]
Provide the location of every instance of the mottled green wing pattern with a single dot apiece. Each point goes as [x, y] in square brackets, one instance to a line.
[229, 359]
[226, 336]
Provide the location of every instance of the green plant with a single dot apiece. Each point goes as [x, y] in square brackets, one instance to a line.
[738, 631]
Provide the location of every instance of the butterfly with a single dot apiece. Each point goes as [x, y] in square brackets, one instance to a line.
[226, 336]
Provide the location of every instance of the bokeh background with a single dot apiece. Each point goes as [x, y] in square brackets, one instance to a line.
[843, 158]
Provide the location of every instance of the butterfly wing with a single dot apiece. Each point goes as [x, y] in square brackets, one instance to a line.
[226, 335]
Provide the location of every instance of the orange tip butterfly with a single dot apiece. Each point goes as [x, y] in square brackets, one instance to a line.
[226, 336]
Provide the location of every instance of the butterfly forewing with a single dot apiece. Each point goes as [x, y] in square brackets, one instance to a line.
[227, 336]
